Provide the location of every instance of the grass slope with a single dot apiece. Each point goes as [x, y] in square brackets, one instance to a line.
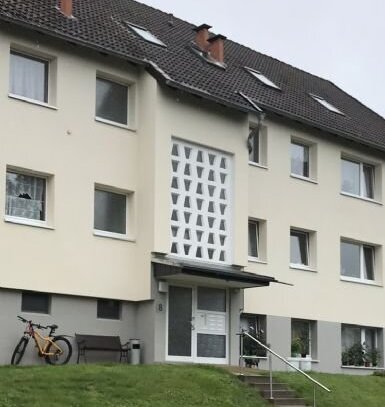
[347, 391]
[123, 386]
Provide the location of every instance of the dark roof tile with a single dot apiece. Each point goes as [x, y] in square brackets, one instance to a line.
[100, 24]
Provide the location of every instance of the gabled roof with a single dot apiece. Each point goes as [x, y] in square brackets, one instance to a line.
[101, 25]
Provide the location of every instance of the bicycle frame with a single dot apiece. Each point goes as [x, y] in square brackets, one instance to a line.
[42, 342]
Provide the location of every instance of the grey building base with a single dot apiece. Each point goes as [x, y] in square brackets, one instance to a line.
[326, 345]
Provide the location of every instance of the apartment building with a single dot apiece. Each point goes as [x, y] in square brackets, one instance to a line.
[164, 183]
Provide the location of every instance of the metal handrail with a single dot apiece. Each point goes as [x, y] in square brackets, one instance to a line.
[315, 382]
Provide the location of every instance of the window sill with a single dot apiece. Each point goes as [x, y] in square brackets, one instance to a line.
[256, 260]
[362, 198]
[108, 319]
[360, 281]
[31, 101]
[362, 367]
[111, 235]
[27, 222]
[303, 268]
[115, 124]
[254, 164]
[306, 179]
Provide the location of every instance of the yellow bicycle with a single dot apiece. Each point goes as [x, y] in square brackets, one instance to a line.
[56, 350]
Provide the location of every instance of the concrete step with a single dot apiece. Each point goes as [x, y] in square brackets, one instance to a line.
[266, 386]
[254, 378]
[279, 393]
[288, 402]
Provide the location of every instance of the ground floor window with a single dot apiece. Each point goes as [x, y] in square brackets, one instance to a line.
[360, 346]
[108, 309]
[35, 302]
[303, 334]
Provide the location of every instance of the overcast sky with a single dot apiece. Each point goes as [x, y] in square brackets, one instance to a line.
[339, 40]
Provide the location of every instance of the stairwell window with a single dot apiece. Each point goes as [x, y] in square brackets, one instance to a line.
[253, 239]
[357, 261]
[357, 178]
[35, 302]
[257, 145]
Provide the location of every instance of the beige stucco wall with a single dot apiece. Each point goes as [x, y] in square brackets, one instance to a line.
[67, 143]
[285, 202]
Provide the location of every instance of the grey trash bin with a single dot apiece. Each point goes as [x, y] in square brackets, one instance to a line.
[135, 351]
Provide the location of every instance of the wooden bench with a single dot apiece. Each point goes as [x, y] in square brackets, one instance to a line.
[100, 343]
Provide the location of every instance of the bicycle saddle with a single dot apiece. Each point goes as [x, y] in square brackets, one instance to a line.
[52, 326]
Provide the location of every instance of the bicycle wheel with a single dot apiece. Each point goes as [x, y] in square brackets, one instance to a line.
[18, 353]
[61, 350]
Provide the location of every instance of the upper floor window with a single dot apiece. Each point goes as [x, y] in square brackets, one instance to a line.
[357, 178]
[29, 77]
[200, 202]
[111, 101]
[299, 248]
[357, 261]
[110, 212]
[300, 159]
[25, 196]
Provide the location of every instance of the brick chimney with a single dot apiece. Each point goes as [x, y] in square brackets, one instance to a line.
[65, 7]
[202, 36]
[216, 47]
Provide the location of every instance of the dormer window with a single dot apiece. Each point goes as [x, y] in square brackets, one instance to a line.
[145, 34]
[262, 78]
[326, 104]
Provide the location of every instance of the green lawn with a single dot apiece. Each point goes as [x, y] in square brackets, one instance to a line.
[123, 385]
[347, 391]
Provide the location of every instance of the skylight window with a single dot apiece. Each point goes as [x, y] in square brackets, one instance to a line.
[145, 34]
[326, 104]
[262, 78]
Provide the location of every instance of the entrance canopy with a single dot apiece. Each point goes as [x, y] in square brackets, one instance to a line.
[220, 276]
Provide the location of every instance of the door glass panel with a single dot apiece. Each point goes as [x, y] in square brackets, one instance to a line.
[212, 299]
[211, 346]
[179, 321]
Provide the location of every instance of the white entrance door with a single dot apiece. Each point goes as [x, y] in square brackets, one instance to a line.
[197, 324]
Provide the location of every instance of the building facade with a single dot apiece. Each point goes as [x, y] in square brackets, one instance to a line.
[173, 204]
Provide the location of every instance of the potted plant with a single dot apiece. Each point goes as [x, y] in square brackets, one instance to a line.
[296, 347]
[373, 356]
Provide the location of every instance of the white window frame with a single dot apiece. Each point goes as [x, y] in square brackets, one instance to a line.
[257, 224]
[129, 101]
[254, 139]
[27, 221]
[362, 334]
[362, 259]
[307, 247]
[361, 182]
[104, 233]
[310, 324]
[307, 147]
[50, 76]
